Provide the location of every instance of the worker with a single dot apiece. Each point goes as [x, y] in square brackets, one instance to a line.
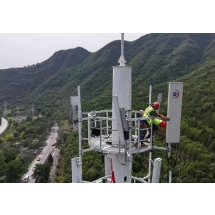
[151, 111]
[145, 124]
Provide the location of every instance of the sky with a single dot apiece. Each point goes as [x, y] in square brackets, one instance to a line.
[23, 49]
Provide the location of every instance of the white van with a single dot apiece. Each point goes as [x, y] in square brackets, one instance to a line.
[26, 178]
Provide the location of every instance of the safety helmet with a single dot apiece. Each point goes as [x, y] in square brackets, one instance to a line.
[156, 104]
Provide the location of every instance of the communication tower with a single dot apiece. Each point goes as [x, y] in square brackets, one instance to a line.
[117, 133]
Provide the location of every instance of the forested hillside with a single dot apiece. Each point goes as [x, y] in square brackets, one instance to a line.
[155, 59]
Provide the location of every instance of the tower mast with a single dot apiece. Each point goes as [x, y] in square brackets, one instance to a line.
[122, 89]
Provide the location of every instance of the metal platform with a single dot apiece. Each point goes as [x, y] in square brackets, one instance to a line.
[104, 145]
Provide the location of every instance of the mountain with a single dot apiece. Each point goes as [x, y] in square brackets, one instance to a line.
[18, 83]
[155, 59]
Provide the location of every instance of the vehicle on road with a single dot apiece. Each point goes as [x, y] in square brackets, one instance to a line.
[38, 159]
[26, 179]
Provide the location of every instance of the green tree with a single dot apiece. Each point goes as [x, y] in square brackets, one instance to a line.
[14, 170]
[2, 164]
[10, 154]
[16, 134]
[42, 172]
[50, 158]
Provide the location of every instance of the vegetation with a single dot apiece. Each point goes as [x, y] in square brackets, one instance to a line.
[30, 135]
[41, 172]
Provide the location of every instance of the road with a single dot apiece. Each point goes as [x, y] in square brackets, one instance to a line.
[3, 125]
[44, 153]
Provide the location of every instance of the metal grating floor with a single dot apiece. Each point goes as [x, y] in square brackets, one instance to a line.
[107, 147]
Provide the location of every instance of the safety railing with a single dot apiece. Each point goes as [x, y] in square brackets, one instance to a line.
[103, 127]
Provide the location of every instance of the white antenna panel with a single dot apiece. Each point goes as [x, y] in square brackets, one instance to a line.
[74, 103]
[118, 120]
[174, 112]
[74, 100]
[156, 170]
[75, 170]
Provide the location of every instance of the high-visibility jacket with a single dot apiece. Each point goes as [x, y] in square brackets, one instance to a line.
[147, 112]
